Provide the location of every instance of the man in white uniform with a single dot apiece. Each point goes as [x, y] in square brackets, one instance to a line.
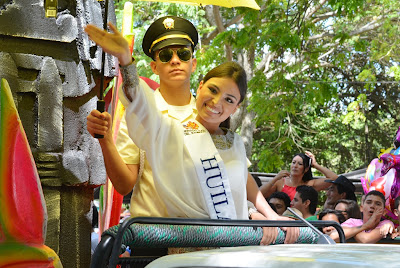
[173, 99]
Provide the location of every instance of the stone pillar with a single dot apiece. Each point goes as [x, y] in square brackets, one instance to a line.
[48, 63]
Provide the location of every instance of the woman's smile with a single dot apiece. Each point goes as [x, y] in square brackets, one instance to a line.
[211, 109]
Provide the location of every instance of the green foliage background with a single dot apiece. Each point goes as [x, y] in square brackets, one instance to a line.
[323, 75]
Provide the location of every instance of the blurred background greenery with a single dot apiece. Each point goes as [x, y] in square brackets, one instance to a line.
[323, 75]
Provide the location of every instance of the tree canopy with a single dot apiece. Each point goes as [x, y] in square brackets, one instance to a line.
[323, 75]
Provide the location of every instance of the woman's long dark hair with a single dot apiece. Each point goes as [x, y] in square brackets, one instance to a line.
[234, 71]
[306, 164]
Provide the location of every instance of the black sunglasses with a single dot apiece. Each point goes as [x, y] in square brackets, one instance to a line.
[166, 54]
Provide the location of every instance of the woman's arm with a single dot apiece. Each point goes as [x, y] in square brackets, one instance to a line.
[269, 233]
[255, 196]
[320, 184]
[272, 185]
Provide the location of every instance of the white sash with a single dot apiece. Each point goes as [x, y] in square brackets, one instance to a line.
[211, 172]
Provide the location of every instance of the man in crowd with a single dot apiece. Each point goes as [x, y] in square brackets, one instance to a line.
[341, 188]
[369, 229]
[280, 201]
[306, 201]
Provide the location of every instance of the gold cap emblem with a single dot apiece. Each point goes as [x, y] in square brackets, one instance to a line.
[168, 23]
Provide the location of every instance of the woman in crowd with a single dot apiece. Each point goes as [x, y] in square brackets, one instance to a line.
[349, 208]
[300, 174]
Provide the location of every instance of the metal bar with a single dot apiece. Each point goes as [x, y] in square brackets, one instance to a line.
[327, 240]
[103, 54]
[212, 222]
[100, 103]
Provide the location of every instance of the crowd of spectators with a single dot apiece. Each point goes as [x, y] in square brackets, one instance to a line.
[362, 221]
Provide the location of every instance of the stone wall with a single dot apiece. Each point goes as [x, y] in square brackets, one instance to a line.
[49, 64]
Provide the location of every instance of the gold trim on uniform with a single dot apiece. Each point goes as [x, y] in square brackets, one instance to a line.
[169, 23]
[184, 36]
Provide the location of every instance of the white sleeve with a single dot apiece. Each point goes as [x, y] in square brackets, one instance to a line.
[142, 117]
[147, 127]
[127, 149]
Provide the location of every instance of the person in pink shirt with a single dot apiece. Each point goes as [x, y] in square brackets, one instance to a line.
[396, 211]
[369, 229]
